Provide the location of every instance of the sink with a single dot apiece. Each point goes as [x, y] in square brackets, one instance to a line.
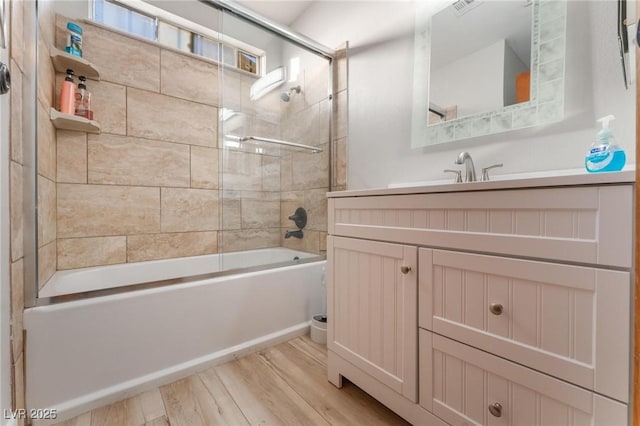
[546, 177]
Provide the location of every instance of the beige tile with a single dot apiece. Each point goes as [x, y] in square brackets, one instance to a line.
[189, 78]
[340, 171]
[262, 238]
[315, 202]
[46, 144]
[123, 160]
[101, 210]
[310, 171]
[341, 115]
[341, 69]
[303, 126]
[231, 210]
[232, 98]
[95, 251]
[161, 117]
[16, 113]
[17, 307]
[46, 263]
[241, 171]
[270, 173]
[186, 210]
[72, 156]
[260, 213]
[17, 211]
[17, 33]
[171, 245]
[264, 128]
[249, 239]
[204, 167]
[286, 171]
[121, 59]
[46, 76]
[316, 80]
[268, 107]
[310, 241]
[46, 211]
[47, 21]
[109, 104]
[18, 383]
[324, 123]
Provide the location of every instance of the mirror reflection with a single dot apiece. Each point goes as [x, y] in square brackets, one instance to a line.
[480, 58]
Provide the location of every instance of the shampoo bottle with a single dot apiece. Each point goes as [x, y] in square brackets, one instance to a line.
[605, 155]
[68, 94]
[83, 100]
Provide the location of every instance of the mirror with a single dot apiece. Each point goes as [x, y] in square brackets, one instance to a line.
[484, 67]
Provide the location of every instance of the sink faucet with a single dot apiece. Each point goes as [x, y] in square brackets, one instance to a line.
[465, 158]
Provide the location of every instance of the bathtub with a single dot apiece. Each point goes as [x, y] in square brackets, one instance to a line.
[86, 353]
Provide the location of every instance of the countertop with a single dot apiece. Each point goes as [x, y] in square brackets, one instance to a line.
[552, 178]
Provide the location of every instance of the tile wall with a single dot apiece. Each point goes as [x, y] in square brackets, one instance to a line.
[156, 184]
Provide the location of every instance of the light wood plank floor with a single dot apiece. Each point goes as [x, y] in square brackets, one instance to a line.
[283, 385]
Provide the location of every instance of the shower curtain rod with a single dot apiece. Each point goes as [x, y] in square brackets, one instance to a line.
[299, 39]
[313, 149]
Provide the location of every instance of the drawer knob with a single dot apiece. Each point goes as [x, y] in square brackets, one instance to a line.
[496, 308]
[405, 269]
[496, 409]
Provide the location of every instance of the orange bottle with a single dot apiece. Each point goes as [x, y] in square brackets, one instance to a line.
[68, 94]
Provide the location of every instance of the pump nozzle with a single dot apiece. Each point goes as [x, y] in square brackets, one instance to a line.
[605, 121]
[605, 135]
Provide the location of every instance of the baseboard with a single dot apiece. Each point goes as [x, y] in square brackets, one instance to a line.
[75, 407]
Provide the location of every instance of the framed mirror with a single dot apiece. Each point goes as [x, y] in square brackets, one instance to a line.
[484, 67]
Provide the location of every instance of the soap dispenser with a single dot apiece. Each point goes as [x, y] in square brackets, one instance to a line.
[604, 155]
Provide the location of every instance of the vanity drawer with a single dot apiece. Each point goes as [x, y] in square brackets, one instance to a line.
[579, 224]
[567, 321]
[463, 385]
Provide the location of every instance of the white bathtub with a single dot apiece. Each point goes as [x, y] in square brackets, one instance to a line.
[106, 277]
[86, 353]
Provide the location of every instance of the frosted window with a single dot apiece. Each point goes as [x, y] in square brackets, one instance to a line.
[125, 19]
[175, 37]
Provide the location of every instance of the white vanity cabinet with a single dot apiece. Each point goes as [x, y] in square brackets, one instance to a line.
[510, 307]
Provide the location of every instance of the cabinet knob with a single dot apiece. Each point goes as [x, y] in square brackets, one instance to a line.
[496, 409]
[496, 308]
[405, 269]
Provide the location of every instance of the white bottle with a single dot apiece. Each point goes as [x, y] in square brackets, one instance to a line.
[604, 155]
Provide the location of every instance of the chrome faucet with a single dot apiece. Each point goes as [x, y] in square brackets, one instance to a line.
[470, 173]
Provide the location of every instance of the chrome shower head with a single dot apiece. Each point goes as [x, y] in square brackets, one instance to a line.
[286, 96]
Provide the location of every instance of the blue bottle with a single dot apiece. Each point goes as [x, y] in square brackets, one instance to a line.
[605, 155]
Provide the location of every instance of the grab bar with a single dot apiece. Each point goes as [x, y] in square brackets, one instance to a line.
[313, 149]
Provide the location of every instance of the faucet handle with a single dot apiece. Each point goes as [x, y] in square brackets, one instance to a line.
[458, 174]
[485, 171]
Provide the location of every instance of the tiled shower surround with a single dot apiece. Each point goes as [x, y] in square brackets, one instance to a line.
[155, 183]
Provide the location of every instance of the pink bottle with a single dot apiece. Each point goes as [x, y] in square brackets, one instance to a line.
[68, 94]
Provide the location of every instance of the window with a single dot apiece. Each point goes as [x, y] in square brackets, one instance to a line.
[146, 21]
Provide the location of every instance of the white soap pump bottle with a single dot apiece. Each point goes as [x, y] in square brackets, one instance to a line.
[604, 155]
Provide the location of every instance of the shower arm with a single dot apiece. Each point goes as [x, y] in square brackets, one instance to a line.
[313, 149]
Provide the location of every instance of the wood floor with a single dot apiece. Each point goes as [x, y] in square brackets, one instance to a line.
[283, 385]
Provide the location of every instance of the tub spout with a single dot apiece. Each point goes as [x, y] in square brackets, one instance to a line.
[297, 234]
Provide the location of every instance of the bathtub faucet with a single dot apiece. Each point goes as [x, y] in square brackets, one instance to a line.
[297, 234]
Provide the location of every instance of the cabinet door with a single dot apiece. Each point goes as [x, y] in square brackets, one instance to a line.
[568, 321]
[466, 386]
[372, 309]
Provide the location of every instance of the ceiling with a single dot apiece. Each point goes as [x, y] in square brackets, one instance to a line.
[283, 12]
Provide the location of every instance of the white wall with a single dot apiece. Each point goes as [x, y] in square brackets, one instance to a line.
[473, 83]
[512, 67]
[380, 34]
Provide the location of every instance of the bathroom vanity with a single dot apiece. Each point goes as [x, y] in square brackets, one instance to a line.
[505, 302]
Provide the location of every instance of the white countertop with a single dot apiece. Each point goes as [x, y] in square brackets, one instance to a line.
[552, 178]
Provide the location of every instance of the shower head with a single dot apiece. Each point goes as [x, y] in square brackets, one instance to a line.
[286, 96]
